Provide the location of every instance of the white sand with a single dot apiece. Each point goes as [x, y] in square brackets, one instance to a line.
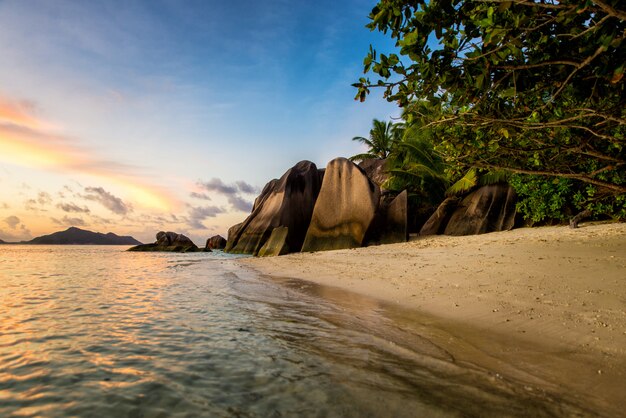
[561, 288]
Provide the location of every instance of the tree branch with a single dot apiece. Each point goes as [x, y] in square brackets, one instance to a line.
[528, 3]
[608, 9]
[540, 64]
[618, 188]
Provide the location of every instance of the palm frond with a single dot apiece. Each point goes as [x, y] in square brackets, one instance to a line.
[364, 141]
[494, 177]
[464, 184]
[418, 171]
[361, 157]
[418, 151]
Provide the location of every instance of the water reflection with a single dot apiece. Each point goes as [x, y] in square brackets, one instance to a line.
[93, 331]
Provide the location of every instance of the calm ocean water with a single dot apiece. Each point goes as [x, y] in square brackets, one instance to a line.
[90, 331]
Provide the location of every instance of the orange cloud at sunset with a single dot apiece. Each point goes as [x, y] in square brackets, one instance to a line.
[19, 113]
[28, 142]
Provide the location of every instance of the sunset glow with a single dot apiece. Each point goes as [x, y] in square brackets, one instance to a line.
[143, 119]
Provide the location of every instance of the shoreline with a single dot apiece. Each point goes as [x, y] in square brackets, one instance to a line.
[543, 303]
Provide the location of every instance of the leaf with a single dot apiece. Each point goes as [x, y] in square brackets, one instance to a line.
[494, 177]
[618, 74]
[464, 184]
[510, 92]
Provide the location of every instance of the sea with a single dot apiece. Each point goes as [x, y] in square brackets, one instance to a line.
[95, 331]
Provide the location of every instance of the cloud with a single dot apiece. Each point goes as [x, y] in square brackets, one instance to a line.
[21, 234]
[231, 191]
[4, 206]
[106, 199]
[201, 196]
[240, 203]
[12, 221]
[44, 198]
[67, 221]
[246, 188]
[19, 113]
[217, 185]
[100, 220]
[199, 214]
[16, 234]
[27, 141]
[72, 207]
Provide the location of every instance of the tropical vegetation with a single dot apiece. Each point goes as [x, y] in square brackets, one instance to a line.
[531, 90]
[382, 138]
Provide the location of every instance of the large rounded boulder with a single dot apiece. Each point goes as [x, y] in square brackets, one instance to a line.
[286, 202]
[487, 209]
[436, 224]
[344, 210]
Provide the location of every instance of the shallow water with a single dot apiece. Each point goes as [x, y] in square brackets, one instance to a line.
[95, 331]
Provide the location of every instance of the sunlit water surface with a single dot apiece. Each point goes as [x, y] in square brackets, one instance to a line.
[96, 331]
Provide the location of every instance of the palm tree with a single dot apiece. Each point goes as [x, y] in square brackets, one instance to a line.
[415, 166]
[381, 142]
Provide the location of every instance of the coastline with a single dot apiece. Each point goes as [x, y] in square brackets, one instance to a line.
[545, 304]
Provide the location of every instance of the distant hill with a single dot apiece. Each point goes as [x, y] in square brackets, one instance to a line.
[77, 236]
[2, 242]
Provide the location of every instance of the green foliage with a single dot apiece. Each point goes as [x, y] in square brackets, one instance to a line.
[476, 177]
[464, 184]
[534, 87]
[542, 199]
[414, 166]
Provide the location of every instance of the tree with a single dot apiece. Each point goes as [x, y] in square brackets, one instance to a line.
[381, 141]
[530, 86]
[414, 165]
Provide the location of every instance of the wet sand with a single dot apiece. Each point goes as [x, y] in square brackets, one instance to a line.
[542, 305]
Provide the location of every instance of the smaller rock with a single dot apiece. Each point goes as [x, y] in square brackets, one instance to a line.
[276, 244]
[396, 220]
[487, 209]
[216, 242]
[436, 224]
[169, 242]
[390, 223]
[376, 170]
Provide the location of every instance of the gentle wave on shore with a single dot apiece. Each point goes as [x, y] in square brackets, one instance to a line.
[95, 331]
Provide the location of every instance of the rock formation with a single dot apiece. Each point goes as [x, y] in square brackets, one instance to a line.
[276, 244]
[436, 224]
[488, 209]
[344, 210]
[170, 242]
[216, 242]
[286, 202]
[390, 223]
[376, 170]
[233, 232]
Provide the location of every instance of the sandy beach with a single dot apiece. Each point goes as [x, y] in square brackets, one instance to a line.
[539, 303]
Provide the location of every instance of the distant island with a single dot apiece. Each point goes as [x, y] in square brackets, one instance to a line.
[77, 236]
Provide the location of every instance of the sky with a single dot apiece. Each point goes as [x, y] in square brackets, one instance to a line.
[138, 116]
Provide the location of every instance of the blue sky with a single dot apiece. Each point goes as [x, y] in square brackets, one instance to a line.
[165, 104]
